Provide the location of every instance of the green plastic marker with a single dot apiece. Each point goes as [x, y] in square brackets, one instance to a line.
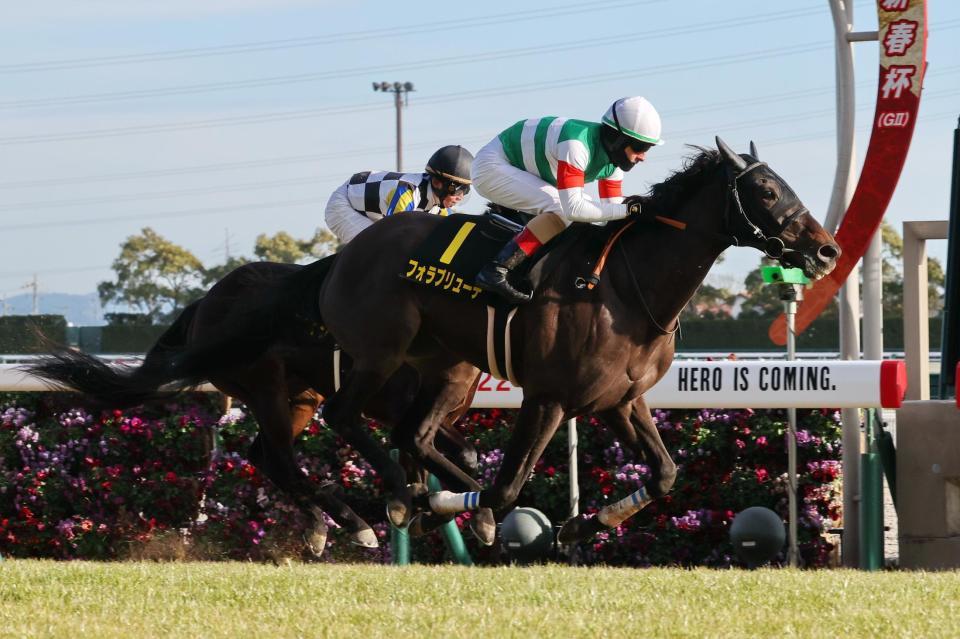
[781, 275]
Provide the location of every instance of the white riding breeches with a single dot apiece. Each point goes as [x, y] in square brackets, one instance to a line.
[499, 181]
[343, 220]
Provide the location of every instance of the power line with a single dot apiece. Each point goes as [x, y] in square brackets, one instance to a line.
[188, 170]
[80, 269]
[473, 94]
[589, 43]
[264, 206]
[297, 159]
[312, 201]
[513, 89]
[319, 179]
[309, 41]
[135, 197]
[196, 124]
[230, 188]
[766, 143]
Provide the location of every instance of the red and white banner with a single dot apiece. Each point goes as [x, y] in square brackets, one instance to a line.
[753, 384]
[701, 384]
[903, 55]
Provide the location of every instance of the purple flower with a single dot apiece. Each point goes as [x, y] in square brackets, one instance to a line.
[27, 435]
[688, 522]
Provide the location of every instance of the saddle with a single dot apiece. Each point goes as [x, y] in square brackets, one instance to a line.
[454, 252]
[450, 257]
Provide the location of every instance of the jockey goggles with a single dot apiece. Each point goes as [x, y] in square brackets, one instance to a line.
[453, 188]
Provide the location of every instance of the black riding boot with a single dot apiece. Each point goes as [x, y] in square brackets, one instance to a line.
[493, 276]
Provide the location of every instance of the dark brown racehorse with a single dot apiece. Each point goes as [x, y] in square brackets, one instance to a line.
[576, 351]
[282, 384]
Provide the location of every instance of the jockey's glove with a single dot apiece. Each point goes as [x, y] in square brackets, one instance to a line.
[633, 204]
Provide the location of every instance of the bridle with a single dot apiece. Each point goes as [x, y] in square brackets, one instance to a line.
[772, 246]
[739, 229]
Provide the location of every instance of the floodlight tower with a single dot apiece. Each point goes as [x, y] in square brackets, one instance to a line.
[399, 91]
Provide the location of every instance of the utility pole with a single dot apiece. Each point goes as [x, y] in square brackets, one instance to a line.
[35, 286]
[398, 89]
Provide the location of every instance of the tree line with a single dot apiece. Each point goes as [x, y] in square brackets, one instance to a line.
[154, 278]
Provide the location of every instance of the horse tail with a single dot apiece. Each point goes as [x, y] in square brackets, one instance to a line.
[122, 386]
[174, 364]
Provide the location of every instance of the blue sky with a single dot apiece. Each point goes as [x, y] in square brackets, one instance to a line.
[213, 121]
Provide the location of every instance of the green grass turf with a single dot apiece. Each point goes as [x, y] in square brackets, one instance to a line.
[138, 600]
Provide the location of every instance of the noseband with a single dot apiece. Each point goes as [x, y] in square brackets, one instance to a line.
[772, 246]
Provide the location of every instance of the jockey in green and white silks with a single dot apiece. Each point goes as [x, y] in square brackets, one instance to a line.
[373, 195]
[541, 165]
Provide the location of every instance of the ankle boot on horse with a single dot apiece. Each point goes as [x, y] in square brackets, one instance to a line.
[494, 277]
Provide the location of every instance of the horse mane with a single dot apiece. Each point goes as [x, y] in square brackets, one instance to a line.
[669, 194]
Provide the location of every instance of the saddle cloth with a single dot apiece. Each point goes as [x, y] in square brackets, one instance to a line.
[454, 252]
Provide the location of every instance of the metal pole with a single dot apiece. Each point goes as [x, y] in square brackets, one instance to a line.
[871, 472]
[572, 465]
[398, 101]
[843, 179]
[843, 185]
[400, 90]
[790, 308]
[873, 299]
[871, 487]
[789, 283]
[850, 417]
[36, 295]
[399, 537]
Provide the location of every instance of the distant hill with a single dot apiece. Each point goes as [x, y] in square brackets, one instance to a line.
[80, 310]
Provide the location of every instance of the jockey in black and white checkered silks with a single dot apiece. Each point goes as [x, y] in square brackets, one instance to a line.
[370, 196]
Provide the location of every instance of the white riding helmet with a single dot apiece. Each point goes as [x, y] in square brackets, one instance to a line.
[635, 118]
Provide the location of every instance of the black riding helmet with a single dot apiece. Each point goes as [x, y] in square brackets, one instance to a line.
[451, 165]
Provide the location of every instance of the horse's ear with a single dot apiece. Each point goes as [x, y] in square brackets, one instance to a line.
[737, 162]
[753, 151]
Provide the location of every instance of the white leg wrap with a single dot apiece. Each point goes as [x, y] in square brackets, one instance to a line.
[615, 514]
[448, 503]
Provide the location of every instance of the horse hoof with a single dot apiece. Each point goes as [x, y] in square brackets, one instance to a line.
[365, 538]
[398, 512]
[416, 526]
[579, 528]
[484, 526]
[316, 540]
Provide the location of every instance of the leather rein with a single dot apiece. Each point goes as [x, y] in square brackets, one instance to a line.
[772, 246]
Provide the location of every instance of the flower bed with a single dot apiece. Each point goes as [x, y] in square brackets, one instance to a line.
[106, 485]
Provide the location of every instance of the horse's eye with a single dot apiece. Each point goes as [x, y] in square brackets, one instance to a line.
[769, 195]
